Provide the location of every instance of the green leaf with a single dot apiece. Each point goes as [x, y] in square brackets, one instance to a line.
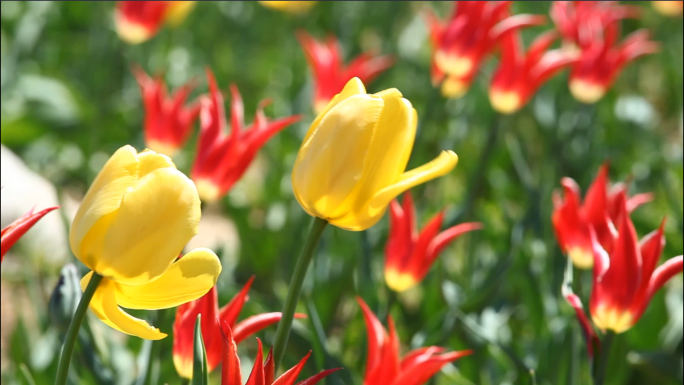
[200, 374]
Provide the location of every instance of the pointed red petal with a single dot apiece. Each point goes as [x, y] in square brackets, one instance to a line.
[257, 376]
[289, 377]
[230, 370]
[317, 378]
[376, 337]
[16, 229]
[447, 236]
[623, 277]
[231, 311]
[257, 323]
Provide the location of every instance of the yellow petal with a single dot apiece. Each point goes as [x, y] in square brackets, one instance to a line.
[150, 161]
[157, 217]
[353, 87]
[440, 166]
[390, 149]
[178, 11]
[104, 197]
[330, 163]
[104, 306]
[186, 280]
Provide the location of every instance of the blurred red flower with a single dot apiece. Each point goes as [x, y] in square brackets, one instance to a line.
[168, 121]
[521, 74]
[138, 21]
[592, 29]
[384, 365]
[330, 73]
[471, 34]
[626, 279]
[410, 255]
[574, 219]
[222, 158]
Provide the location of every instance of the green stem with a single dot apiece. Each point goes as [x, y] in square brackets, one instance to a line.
[602, 366]
[185, 381]
[70, 341]
[305, 258]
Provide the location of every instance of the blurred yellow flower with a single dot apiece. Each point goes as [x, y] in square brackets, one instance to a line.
[131, 226]
[289, 6]
[669, 8]
[352, 161]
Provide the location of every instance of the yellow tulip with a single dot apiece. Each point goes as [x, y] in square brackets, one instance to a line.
[133, 223]
[353, 159]
[289, 6]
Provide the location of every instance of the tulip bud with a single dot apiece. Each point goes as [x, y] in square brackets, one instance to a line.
[130, 228]
[352, 161]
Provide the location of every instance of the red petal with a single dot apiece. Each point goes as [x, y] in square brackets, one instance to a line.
[623, 278]
[421, 372]
[590, 335]
[317, 378]
[291, 375]
[257, 376]
[660, 277]
[376, 337]
[231, 311]
[16, 229]
[416, 356]
[447, 236]
[230, 370]
[269, 368]
[257, 323]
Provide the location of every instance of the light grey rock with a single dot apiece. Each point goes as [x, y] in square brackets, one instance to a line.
[23, 190]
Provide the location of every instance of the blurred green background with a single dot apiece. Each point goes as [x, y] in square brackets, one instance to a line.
[69, 100]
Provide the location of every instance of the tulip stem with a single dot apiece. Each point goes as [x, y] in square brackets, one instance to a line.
[74, 326]
[305, 258]
[602, 366]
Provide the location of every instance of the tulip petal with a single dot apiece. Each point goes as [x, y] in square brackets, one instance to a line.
[320, 174]
[353, 87]
[376, 337]
[390, 148]
[105, 307]
[157, 218]
[257, 323]
[104, 197]
[186, 280]
[289, 377]
[231, 373]
[421, 372]
[440, 166]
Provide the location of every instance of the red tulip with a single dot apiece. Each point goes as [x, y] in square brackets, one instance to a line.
[592, 28]
[573, 219]
[384, 365]
[11, 234]
[464, 41]
[330, 73]
[409, 255]
[600, 64]
[168, 122]
[262, 373]
[581, 22]
[138, 21]
[521, 74]
[222, 158]
[626, 279]
[212, 318]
